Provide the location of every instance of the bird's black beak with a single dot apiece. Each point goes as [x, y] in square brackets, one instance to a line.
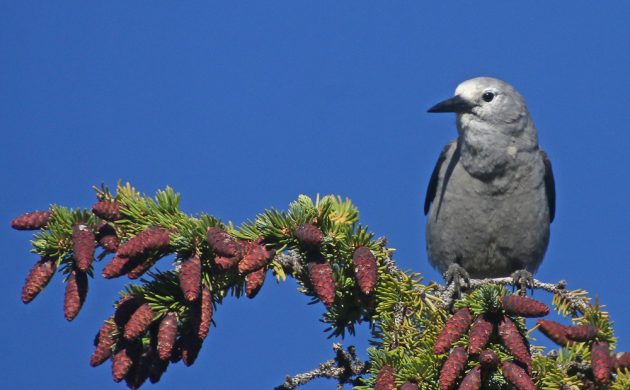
[454, 104]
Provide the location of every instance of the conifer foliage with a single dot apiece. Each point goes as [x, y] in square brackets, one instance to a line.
[422, 340]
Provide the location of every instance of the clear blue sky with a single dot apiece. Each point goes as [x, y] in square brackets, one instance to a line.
[243, 105]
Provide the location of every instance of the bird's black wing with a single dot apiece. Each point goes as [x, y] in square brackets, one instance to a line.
[550, 186]
[433, 183]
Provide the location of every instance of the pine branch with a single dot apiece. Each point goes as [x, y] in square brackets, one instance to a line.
[345, 368]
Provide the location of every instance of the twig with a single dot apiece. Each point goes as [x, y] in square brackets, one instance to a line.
[346, 367]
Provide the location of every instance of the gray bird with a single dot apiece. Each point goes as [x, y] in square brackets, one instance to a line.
[491, 196]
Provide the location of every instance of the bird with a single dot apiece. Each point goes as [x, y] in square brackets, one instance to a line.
[491, 197]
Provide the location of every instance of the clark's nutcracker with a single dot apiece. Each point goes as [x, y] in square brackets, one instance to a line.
[491, 196]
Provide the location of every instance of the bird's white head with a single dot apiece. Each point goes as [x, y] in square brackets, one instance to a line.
[488, 103]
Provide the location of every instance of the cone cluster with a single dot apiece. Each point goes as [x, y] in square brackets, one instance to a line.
[481, 329]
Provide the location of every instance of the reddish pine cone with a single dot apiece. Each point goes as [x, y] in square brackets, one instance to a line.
[555, 331]
[76, 291]
[453, 366]
[488, 359]
[104, 343]
[150, 239]
[254, 282]
[472, 380]
[121, 364]
[479, 334]
[166, 335]
[309, 235]
[139, 371]
[139, 322]
[581, 333]
[409, 386]
[453, 330]
[620, 361]
[107, 237]
[38, 278]
[116, 267]
[513, 341]
[31, 221]
[517, 376]
[225, 263]
[124, 309]
[600, 362]
[365, 269]
[524, 306]
[205, 315]
[83, 246]
[107, 209]
[321, 277]
[385, 380]
[156, 369]
[140, 268]
[222, 243]
[190, 347]
[190, 278]
[255, 256]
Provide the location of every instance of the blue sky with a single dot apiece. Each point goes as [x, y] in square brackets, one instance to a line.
[242, 106]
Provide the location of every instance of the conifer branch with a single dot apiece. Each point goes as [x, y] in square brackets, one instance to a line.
[345, 368]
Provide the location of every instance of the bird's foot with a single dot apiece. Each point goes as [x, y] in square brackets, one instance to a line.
[458, 276]
[523, 279]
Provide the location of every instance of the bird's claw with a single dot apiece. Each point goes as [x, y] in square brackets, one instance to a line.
[523, 279]
[458, 276]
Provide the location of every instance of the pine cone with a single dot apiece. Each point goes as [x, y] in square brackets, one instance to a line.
[125, 309]
[31, 221]
[83, 246]
[555, 331]
[472, 380]
[108, 210]
[385, 380]
[225, 263]
[581, 333]
[190, 278]
[479, 334]
[107, 238]
[254, 282]
[153, 238]
[453, 330]
[190, 347]
[166, 335]
[321, 278]
[365, 269]
[453, 366]
[105, 342]
[139, 372]
[121, 364]
[517, 376]
[116, 267]
[488, 359]
[38, 278]
[255, 257]
[176, 355]
[205, 315]
[524, 306]
[309, 236]
[76, 291]
[222, 243]
[409, 386]
[139, 322]
[620, 361]
[600, 362]
[513, 341]
[141, 267]
[156, 369]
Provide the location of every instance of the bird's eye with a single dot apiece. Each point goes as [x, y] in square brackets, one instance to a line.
[488, 96]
